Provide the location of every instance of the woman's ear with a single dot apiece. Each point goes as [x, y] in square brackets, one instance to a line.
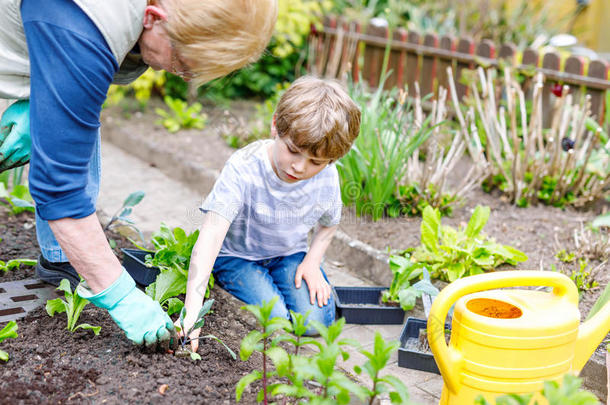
[153, 14]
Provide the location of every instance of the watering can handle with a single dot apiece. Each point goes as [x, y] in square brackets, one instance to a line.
[450, 360]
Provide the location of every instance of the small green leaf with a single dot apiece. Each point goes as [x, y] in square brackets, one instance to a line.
[195, 356]
[94, 329]
[246, 381]
[56, 305]
[134, 198]
[479, 218]
[249, 344]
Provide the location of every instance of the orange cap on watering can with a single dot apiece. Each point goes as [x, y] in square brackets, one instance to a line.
[510, 340]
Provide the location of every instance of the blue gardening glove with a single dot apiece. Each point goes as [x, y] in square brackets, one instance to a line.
[141, 318]
[15, 135]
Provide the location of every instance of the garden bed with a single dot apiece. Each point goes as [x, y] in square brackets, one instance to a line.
[539, 231]
[48, 364]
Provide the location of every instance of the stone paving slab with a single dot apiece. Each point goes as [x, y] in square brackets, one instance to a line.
[170, 201]
[19, 297]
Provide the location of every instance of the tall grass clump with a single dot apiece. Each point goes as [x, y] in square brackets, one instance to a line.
[389, 134]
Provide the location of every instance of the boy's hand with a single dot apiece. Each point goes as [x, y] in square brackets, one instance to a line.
[193, 336]
[318, 287]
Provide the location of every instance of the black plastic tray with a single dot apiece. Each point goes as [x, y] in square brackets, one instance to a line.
[133, 261]
[411, 358]
[361, 305]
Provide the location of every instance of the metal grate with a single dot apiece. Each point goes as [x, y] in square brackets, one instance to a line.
[19, 297]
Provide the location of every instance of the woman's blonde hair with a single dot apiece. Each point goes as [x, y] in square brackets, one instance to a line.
[219, 36]
[319, 117]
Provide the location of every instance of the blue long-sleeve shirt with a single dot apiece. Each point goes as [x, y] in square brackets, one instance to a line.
[71, 68]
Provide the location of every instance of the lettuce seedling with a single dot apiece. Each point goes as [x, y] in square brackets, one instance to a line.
[72, 306]
[184, 340]
[15, 263]
[452, 253]
[401, 290]
[8, 332]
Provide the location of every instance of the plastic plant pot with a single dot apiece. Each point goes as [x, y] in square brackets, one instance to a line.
[409, 352]
[361, 305]
[133, 261]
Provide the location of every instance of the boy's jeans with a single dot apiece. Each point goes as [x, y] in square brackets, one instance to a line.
[46, 240]
[256, 281]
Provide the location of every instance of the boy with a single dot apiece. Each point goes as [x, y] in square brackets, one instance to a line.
[268, 197]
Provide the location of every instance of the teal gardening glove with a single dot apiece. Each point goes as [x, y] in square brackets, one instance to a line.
[141, 318]
[15, 135]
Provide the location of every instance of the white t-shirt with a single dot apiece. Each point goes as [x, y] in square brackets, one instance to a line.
[270, 217]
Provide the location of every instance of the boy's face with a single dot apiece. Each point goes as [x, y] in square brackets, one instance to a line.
[292, 164]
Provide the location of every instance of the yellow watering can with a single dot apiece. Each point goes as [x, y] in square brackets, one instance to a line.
[512, 340]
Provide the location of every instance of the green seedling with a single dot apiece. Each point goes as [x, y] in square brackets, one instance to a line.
[184, 340]
[566, 393]
[377, 360]
[260, 341]
[454, 253]
[19, 199]
[15, 263]
[173, 249]
[181, 115]
[581, 276]
[405, 289]
[122, 214]
[312, 377]
[72, 306]
[8, 332]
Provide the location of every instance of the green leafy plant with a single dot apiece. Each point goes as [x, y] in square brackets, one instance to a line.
[260, 341]
[181, 115]
[312, 377]
[121, 216]
[173, 249]
[19, 198]
[582, 277]
[452, 253]
[73, 305]
[15, 263]
[566, 393]
[8, 332]
[404, 288]
[184, 340]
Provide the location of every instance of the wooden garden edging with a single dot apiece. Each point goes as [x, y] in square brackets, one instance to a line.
[342, 47]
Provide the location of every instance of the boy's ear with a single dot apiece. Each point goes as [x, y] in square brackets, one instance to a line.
[273, 129]
[152, 14]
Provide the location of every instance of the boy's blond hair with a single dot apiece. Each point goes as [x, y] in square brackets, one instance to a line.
[219, 36]
[319, 117]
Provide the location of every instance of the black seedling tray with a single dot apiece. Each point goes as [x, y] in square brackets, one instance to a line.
[133, 261]
[408, 355]
[361, 305]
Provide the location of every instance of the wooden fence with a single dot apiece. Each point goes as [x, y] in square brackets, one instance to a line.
[343, 46]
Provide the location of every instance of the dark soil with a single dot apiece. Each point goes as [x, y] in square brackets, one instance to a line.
[48, 364]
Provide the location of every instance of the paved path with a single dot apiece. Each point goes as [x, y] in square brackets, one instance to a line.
[173, 203]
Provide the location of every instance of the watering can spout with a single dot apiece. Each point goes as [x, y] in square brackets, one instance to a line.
[590, 335]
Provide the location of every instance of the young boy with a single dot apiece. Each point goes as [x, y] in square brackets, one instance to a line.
[268, 197]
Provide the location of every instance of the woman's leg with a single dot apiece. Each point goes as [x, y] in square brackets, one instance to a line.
[250, 282]
[283, 271]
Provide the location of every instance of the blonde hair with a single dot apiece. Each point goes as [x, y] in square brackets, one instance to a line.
[220, 36]
[319, 117]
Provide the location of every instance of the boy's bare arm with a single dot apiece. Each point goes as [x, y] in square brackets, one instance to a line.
[212, 233]
[309, 269]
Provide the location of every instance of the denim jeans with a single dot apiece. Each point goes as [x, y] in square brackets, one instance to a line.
[256, 281]
[46, 240]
